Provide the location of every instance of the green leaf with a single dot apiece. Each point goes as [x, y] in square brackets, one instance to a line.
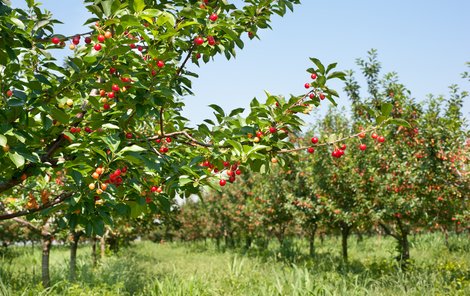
[77, 177]
[331, 67]
[399, 121]
[130, 21]
[321, 68]
[339, 75]
[386, 109]
[107, 4]
[3, 140]
[98, 227]
[219, 110]
[110, 126]
[112, 141]
[59, 115]
[257, 148]
[139, 5]
[236, 111]
[17, 22]
[17, 159]
[236, 145]
[184, 179]
[380, 119]
[133, 148]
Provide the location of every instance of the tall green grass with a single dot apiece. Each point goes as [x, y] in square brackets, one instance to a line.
[200, 269]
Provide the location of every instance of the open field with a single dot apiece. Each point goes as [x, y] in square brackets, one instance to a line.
[147, 268]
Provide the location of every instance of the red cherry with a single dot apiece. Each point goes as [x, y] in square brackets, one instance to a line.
[160, 64]
[272, 130]
[101, 38]
[311, 96]
[374, 136]
[97, 47]
[88, 130]
[259, 134]
[314, 140]
[210, 40]
[213, 17]
[310, 150]
[9, 93]
[125, 79]
[129, 135]
[307, 85]
[87, 40]
[322, 96]
[111, 95]
[226, 163]
[168, 140]
[124, 170]
[251, 35]
[140, 48]
[76, 40]
[313, 76]
[198, 41]
[117, 172]
[153, 188]
[231, 179]
[115, 87]
[55, 40]
[363, 147]
[229, 173]
[381, 139]
[106, 106]
[238, 172]
[112, 70]
[73, 130]
[222, 182]
[234, 167]
[132, 45]
[343, 147]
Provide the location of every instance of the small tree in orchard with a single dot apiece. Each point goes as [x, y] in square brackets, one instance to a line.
[409, 182]
[337, 181]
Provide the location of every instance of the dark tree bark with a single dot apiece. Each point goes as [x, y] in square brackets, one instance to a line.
[46, 250]
[311, 240]
[248, 242]
[94, 254]
[345, 230]
[73, 254]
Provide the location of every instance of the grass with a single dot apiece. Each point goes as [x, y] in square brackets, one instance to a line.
[200, 269]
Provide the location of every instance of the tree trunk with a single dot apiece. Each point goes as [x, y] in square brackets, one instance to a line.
[404, 246]
[46, 249]
[248, 242]
[93, 251]
[73, 254]
[103, 244]
[311, 241]
[345, 229]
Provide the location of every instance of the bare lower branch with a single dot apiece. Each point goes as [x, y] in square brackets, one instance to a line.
[58, 200]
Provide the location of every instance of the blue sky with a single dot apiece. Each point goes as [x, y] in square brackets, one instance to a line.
[425, 41]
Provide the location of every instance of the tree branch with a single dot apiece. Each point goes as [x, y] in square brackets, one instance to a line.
[27, 224]
[58, 200]
[388, 231]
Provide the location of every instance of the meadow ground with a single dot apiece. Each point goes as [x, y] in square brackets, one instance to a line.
[147, 268]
